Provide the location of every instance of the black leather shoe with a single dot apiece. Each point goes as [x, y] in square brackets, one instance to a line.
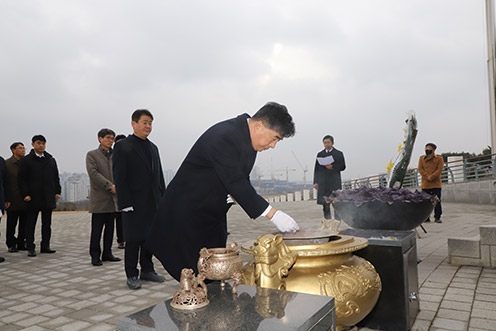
[152, 276]
[2, 259]
[13, 249]
[110, 258]
[133, 283]
[47, 250]
[31, 253]
[96, 262]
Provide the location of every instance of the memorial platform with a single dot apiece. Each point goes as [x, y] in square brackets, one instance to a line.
[63, 291]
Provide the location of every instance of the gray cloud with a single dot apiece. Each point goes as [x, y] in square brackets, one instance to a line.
[350, 69]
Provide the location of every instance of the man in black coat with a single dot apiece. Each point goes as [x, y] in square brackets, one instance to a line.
[139, 181]
[192, 213]
[39, 184]
[327, 174]
[4, 199]
[16, 213]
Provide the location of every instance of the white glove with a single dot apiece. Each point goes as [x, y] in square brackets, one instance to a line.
[284, 222]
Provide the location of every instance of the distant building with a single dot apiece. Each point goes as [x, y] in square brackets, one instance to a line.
[75, 186]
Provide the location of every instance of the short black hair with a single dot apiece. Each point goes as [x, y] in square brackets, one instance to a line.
[140, 112]
[431, 145]
[14, 145]
[328, 136]
[119, 137]
[104, 132]
[38, 137]
[276, 117]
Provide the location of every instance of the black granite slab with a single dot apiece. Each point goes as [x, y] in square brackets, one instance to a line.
[253, 308]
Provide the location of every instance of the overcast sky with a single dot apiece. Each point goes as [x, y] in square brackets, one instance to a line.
[352, 69]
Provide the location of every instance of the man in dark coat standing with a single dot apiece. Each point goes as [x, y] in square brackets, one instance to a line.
[40, 186]
[4, 199]
[192, 213]
[139, 181]
[17, 211]
[327, 174]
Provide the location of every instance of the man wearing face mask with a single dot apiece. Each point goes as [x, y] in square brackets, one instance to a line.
[430, 167]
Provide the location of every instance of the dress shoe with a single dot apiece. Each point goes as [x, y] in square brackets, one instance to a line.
[427, 220]
[96, 262]
[438, 220]
[122, 245]
[47, 250]
[2, 259]
[110, 258]
[13, 249]
[133, 282]
[31, 252]
[152, 276]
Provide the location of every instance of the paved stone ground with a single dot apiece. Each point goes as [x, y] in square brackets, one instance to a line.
[63, 291]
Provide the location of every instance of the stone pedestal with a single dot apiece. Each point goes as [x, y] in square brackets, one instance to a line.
[252, 309]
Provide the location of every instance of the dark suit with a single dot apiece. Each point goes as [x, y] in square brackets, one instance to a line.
[140, 184]
[192, 213]
[17, 210]
[39, 178]
[328, 180]
[4, 192]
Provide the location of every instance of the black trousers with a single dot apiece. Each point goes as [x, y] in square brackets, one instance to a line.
[327, 212]
[136, 252]
[99, 221]
[46, 228]
[12, 220]
[438, 210]
[118, 227]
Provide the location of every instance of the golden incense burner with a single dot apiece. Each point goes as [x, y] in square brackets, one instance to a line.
[310, 262]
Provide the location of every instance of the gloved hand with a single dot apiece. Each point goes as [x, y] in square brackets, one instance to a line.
[284, 222]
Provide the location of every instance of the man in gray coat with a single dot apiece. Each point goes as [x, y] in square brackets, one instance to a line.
[103, 198]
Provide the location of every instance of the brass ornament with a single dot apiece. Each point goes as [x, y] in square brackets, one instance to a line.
[221, 264]
[272, 260]
[193, 291]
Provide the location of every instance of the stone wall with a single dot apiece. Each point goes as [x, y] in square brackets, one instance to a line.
[476, 251]
[480, 192]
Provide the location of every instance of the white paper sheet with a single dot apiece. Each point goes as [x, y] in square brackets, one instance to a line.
[325, 160]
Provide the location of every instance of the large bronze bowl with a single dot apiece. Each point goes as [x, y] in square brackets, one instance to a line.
[380, 215]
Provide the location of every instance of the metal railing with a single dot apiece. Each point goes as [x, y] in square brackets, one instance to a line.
[470, 169]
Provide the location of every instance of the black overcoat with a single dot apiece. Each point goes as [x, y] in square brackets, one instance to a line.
[192, 213]
[328, 179]
[39, 178]
[4, 192]
[139, 183]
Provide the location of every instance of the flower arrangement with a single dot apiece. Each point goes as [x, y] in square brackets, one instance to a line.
[383, 208]
[385, 194]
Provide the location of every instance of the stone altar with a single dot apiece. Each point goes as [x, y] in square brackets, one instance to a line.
[251, 309]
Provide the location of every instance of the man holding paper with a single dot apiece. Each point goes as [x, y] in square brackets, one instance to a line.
[327, 174]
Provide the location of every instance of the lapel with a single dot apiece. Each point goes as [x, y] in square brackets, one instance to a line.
[141, 154]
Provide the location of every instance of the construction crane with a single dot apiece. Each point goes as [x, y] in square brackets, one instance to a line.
[287, 173]
[305, 170]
